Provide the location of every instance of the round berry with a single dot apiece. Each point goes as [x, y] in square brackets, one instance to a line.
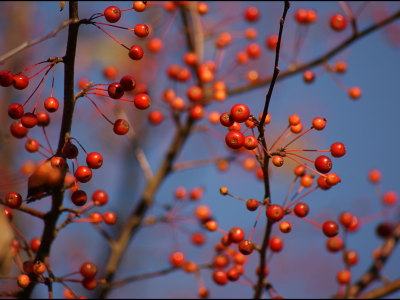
[23, 281]
[294, 120]
[330, 228]
[121, 127]
[300, 16]
[155, 45]
[43, 119]
[338, 22]
[112, 14]
[301, 209]
[334, 244]
[375, 176]
[198, 238]
[51, 104]
[332, 179]
[39, 268]
[322, 183]
[220, 277]
[299, 170]
[240, 113]
[285, 227]
[100, 198]
[275, 244]
[115, 91]
[28, 266]
[89, 284]
[18, 130]
[390, 198]
[142, 101]
[88, 270]
[20, 82]
[355, 92]
[319, 123]
[155, 117]
[323, 164]
[245, 247]
[79, 198]
[306, 181]
[225, 240]
[221, 261]
[202, 212]
[350, 257]
[296, 128]
[202, 8]
[236, 235]
[275, 213]
[16, 111]
[96, 218]
[141, 30]
[94, 160]
[139, 6]
[197, 112]
[195, 93]
[338, 149]
[343, 276]
[32, 145]
[183, 74]
[252, 14]
[6, 78]
[312, 16]
[178, 103]
[190, 58]
[234, 139]
[354, 224]
[252, 204]
[177, 259]
[346, 219]
[271, 41]
[29, 120]
[7, 211]
[308, 76]
[232, 274]
[277, 161]
[226, 120]
[136, 52]
[211, 225]
[35, 244]
[70, 151]
[13, 200]
[250, 142]
[83, 174]
[202, 292]
[341, 67]
[253, 50]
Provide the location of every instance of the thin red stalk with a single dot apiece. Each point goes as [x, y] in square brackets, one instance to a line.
[72, 138]
[131, 29]
[221, 230]
[299, 136]
[126, 9]
[335, 78]
[86, 220]
[86, 206]
[374, 216]
[32, 93]
[301, 157]
[110, 97]
[323, 175]
[100, 111]
[98, 84]
[290, 190]
[254, 227]
[236, 197]
[270, 149]
[48, 143]
[43, 154]
[21, 236]
[73, 170]
[40, 91]
[92, 88]
[246, 130]
[313, 189]
[305, 219]
[19, 263]
[307, 150]
[31, 67]
[265, 149]
[69, 274]
[39, 72]
[112, 37]
[258, 149]
[52, 85]
[99, 15]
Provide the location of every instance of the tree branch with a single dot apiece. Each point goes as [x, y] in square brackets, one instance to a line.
[382, 291]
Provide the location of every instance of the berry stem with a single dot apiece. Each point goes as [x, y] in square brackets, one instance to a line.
[295, 195]
[41, 86]
[313, 189]
[312, 222]
[270, 149]
[307, 150]
[72, 138]
[265, 149]
[374, 216]
[18, 262]
[236, 197]
[255, 223]
[301, 157]
[73, 170]
[127, 100]
[221, 230]
[69, 274]
[279, 137]
[33, 93]
[334, 77]
[323, 175]
[27, 246]
[100, 110]
[111, 37]
[114, 26]
[290, 189]
[299, 136]
[52, 85]
[43, 154]
[48, 143]
[39, 71]
[244, 282]
[87, 205]
[31, 67]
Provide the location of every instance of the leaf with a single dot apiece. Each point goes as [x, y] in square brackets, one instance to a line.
[62, 4]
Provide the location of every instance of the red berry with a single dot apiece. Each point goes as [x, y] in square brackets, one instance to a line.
[180, 193]
[338, 150]
[155, 44]
[112, 14]
[142, 101]
[23, 281]
[375, 176]
[79, 198]
[301, 16]
[275, 213]
[198, 238]
[139, 6]
[338, 22]
[128, 83]
[355, 92]
[39, 268]
[236, 235]
[183, 74]
[332, 179]
[51, 104]
[28, 266]
[202, 8]
[8, 213]
[6, 78]
[16, 111]
[240, 113]
[221, 261]
[277, 161]
[285, 227]
[319, 123]
[350, 257]
[29, 120]
[70, 151]
[235, 126]
[225, 240]
[155, 117]
[271, 41]
[211, 225]
[18, 130]
[252, 204]
[343, 276]
[275, 244]
[226, 120]
[301, 209]
[109, 218]
[341, 67]
[89, 284]
[354, 224]
[83, 174]
[323, 164]
[197, 112]
[202, 292]
[20, 82]
[141, 30]
[296, 128]
[234, 139]
[121, 127]
[245, 247]
[266, 271]
[242, 57]
[88, 270]
[94, 160]
[308, 76]
[300, 170]
[190, 58]
[334, 244]
[177, 259]
[32, 145]
[346, 219]
[220, 277]
[43, 119]
[294, 120]
[306, 181]
[136, 52]
[232, 274]
[312, 16]
[253, 50]
[390, 198]
[115, 90]
[13, 200]
[330, 228]
[252, 14]
[96, 218]
[100, 198]
[195, 93]
[322, 183]
[250, 142]
[196, 193]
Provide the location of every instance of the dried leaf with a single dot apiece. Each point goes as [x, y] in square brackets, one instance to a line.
[62, 4]
[6, 252]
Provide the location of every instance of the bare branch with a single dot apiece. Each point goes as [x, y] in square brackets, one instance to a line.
[382, 291]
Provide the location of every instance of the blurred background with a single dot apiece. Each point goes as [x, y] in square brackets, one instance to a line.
[367, 127]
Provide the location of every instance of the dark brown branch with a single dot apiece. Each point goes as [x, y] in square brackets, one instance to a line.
[265, 162]
[30, 43]
[382, 291]
[28, 210]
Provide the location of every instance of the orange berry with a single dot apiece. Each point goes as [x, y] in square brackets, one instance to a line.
[354, 92]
